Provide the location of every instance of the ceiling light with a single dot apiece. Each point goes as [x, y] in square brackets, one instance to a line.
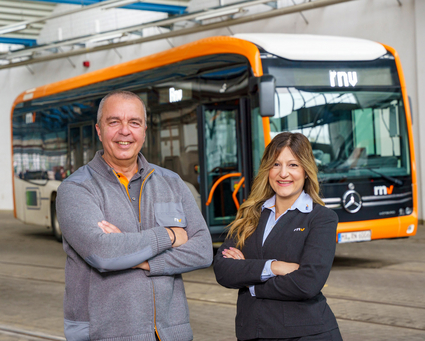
[106, 37]
[12, 28]
[218, 13]
[20, 54]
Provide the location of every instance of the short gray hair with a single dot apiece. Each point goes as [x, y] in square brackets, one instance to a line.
[124, 94]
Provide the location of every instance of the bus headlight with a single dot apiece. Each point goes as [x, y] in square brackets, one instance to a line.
[408, 211]
[410, 229]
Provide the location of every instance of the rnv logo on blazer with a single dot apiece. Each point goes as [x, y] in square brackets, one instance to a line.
[299, 229]
[178, 220]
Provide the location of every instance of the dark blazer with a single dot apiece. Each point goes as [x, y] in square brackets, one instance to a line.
[284, 306]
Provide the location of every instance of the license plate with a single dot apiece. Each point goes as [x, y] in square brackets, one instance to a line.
[350, 237]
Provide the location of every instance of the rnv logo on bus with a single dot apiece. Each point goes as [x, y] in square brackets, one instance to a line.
[343, 78]
[176, 95]
[383, 190]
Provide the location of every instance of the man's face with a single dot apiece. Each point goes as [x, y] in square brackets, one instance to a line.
[122, 130]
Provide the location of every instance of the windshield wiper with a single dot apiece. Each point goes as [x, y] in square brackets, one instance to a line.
[386, 177]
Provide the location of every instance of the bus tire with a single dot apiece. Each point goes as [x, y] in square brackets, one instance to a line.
[56, 230]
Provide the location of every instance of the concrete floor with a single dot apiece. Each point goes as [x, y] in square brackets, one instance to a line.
[375, 289]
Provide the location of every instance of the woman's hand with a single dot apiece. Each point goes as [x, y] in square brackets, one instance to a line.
[281, 268]
[232, 253]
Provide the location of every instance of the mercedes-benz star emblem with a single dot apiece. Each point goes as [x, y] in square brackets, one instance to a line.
[352, 201]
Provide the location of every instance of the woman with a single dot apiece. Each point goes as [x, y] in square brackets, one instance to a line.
[280, 248]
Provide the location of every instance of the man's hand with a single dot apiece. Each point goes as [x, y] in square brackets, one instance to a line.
[143, 266]
[281, 268]
[181, 235]
[108, 227]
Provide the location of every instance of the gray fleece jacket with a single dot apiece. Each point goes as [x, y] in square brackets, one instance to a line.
[105, 299]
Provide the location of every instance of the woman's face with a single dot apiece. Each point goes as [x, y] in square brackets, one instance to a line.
[287, 177]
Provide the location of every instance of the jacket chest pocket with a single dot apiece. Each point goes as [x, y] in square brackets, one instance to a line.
[170, 214]
[296, 240]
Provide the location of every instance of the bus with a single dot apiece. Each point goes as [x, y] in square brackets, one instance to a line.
[214, 104]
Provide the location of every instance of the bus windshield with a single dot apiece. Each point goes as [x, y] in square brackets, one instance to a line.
[357, 133]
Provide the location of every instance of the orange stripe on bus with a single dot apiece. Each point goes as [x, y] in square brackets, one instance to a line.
[382, 228]
[409, 125]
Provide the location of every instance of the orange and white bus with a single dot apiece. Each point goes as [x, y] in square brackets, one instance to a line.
[213, 106]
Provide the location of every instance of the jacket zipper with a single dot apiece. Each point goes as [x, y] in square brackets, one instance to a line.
[140, 195]
[140, 225]
[154, 312]
[140, 222]
[139, 218]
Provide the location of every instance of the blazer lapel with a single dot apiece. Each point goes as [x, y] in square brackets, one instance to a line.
[259, 232]
[280, 228]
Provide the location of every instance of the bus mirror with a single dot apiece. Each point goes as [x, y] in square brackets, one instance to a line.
[265, 88]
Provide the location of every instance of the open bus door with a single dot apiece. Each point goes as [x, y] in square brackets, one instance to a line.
[222, 165]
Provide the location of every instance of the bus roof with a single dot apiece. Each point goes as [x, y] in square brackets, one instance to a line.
[291, 46]
[312, 47]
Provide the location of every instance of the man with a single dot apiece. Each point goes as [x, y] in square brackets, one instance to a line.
[130, 229]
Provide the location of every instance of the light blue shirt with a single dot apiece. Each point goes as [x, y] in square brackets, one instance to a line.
[304, 204]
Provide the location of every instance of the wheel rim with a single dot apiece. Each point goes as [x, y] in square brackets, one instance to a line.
[56, 227]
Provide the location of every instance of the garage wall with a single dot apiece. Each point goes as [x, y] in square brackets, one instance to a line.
[379, 20]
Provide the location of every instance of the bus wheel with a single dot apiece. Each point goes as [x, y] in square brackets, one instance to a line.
[56, 230]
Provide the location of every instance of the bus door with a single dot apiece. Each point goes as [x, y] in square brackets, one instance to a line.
[221, 169]
[81, 145]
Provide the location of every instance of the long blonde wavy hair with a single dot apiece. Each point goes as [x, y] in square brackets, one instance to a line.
[248, 215]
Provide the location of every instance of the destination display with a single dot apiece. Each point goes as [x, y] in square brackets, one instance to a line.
[337, 75]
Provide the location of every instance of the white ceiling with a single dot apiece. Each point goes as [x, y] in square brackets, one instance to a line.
[19, 11]
[15, 11]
